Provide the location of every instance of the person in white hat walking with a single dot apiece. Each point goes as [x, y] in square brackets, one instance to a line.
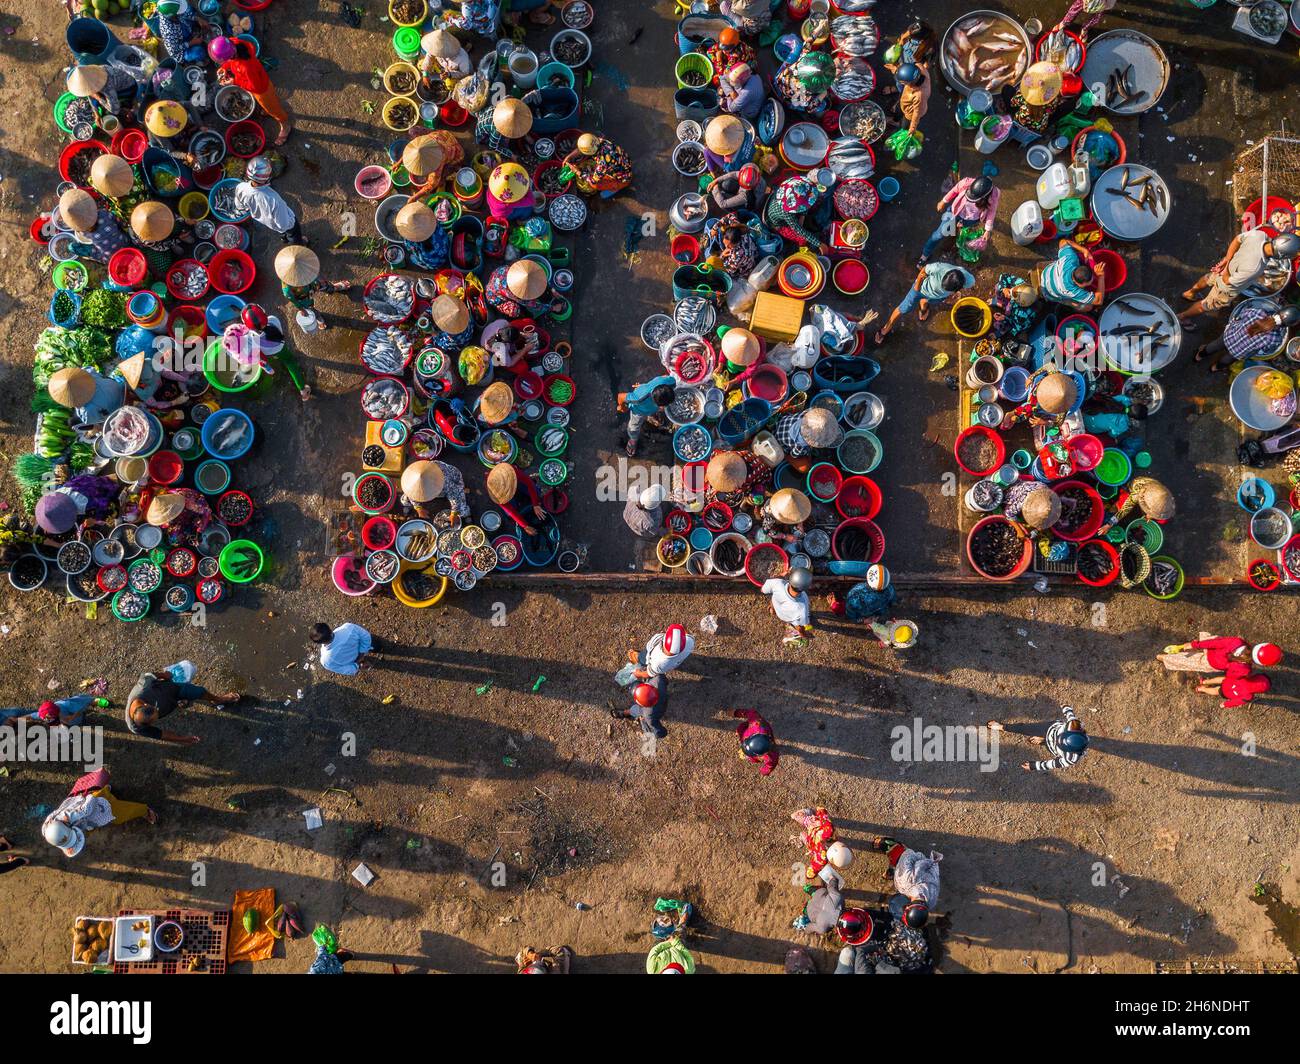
[664, 651]
[255, 197]
[88, 810]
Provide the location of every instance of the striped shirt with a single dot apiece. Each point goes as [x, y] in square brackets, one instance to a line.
[1061, 758]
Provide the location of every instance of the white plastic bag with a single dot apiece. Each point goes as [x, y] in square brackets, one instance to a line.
[740, 299]
[807, 347]
[182, 671]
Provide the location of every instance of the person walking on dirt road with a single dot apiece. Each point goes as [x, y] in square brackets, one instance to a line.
[664, 652]
[1066, 741]
[157, 695]
[1215, 653]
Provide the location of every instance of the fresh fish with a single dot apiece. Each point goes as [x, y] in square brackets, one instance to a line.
[961, 41]
[1011, 38]
[977, 27]
[971, 63]
[989, 66]
[1000, 46]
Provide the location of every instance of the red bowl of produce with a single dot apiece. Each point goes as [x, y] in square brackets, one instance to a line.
[859, 497]
[977, 542]
[1111, 559]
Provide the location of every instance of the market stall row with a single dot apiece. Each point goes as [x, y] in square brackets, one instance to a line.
[469, 386]
[772, 418]
[132, 484]
[1061, 378]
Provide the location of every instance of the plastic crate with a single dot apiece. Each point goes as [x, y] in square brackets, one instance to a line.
[1047, 567]
[205, 937]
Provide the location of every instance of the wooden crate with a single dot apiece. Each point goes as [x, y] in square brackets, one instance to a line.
[776, 317]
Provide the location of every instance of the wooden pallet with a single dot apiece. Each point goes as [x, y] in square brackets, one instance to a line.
[205, 938]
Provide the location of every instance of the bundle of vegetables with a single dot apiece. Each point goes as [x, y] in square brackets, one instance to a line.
[104, 309]
[54, 433]
[32, 472]
[58, 349]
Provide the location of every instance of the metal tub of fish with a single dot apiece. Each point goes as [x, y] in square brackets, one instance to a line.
[1131, 202]
[1131, 67]
[984, 50]
[1140, 334]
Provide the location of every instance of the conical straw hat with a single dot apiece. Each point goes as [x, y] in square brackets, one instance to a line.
[423, 155]
[152, 221]
[112, 175]
[72, 387]
[512, 118]
[501, 483]
[526, 279]
[297, 265]
[422, 481]
[416, 221]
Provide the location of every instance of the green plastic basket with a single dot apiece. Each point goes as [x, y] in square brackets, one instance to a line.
[129, 620]
[241, 561]
[693, 63]
[1178, 587]
[1154, 536]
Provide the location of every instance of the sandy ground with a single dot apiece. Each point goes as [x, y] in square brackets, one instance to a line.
[1148, 851]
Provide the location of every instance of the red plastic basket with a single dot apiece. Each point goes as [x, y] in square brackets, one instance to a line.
[877, 537]
[172, 288]
[248, 125]
[859, 497]
[1113, 554]
[756, 552]
[127, 267]
[231, 271]
[980, 430]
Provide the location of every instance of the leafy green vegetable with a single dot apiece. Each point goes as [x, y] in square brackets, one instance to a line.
[104, 309]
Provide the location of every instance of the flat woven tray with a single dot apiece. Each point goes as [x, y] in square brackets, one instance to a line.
[205, 937]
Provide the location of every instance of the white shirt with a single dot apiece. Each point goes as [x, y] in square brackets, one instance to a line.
[1249, 261]
[658, 661]
[340, 653]
[793, 609]
[265, 205]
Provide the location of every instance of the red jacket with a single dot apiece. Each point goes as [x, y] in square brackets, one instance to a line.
[754, 724]
[1240, 685]
[1219, 652]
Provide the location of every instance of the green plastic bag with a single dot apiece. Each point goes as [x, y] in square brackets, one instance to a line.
[323, 936]
[533, 234]
[904, 145]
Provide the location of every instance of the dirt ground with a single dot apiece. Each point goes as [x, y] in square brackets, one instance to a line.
[1150, 850]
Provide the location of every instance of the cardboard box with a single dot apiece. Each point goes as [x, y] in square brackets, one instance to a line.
[776, 317]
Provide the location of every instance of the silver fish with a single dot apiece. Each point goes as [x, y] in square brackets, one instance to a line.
[977, 27]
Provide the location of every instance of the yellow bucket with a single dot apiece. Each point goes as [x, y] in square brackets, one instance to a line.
[391, 108]
[971, 317]
[194, 206]
[400, 594]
